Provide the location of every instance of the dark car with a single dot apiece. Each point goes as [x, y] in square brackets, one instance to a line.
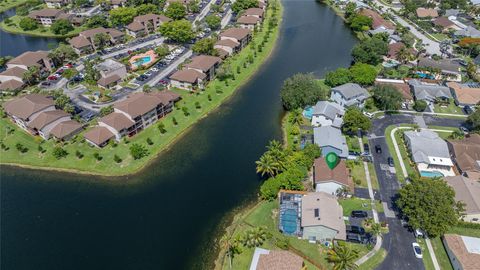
[355, 229]
[366, 147]
[378, 149]
[355, 238]
[390, 162]
[359, 214]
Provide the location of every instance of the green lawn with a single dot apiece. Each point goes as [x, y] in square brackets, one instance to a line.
[350, 204]
[451, 108]
[465, 231]
[41, 31]
[374, 261]
[441, 254]
[9, 4]
[218, 92]
[440, 36]
[427, 259]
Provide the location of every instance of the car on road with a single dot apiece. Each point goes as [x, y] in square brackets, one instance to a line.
[355, 229]
[154, 69]
[148, 74]
[45, 84]
[390, 162]
[417, 250]
[378, 149]
[359, 214]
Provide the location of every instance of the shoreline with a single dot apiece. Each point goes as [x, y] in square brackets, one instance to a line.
[4, 9]
[150, 159]
[8, 29]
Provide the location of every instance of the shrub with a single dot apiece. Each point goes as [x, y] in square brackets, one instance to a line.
[21, 148]
[138, 151]
[174, 121]
[197, 105]
[420, 105]
[97, 156]
[117, 159]
[161, 128]
[79, 154]
[209, 97]
[149, 141]
[58, 152]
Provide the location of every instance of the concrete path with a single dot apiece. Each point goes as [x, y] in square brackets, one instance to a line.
[420, 121]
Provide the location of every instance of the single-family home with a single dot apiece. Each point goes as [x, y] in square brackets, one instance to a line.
[430, 153]
[377, 20]
[187, 79]
[264, 259]
[48, 16]
[444, 24]
[239, 35]
[465, 94]
[111, 73]
[402, 87]
[349, 94]
[248, 22]
[447, 67]
[56, 3]
[469, 31]
[331, 180]
[322, 218]
[463, 251]
[426, 13]
[205, 64]
[395, 48]
[330, 139]
[429, 92]
[84, 42]
[145, 24]
[467, 191]
[326, 113]
[24, 109]
[466, 155]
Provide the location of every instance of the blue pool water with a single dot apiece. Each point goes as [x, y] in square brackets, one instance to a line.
[143, 60]
[308, 112]
[430, 174]
[288, 221]
[425, 76]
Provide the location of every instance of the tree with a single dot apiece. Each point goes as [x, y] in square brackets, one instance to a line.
[100, 40]
[474, 120]
[98, 21]
[240, 5]
[429, 204]
[363, 73]
[267, 165]
[61, 27]
[122, 15]
[138, 151]
[62, 53]
[28, 24]
[205, 46]
[355, 120]
[106, 110]
[233, 247]
[255, 237]
[350, 9]
[387, 97]
[343, 257]
[147, 8]
[58, 152]
[69, 73]
[161, 128]
[81, 3]
[4, 60]
[69, 108]
[180, 31]
[193, 6]
[213, 21]
[162, 50]
[376, 229]
[61, 100]
[176, 11]
[296, 117]
[301, 90]
[370, 51]
[420, 105]
[404, 55]
[360, 22]
[338, 77]
[31, 75]
[456, 135]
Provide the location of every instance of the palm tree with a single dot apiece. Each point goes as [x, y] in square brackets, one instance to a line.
[376, 229]
[267, 165]
[276, 151]
[31, 75]
[255, 237]
[296, 117]
[232, 246]
[404, 55]
[368, 222]
[343, 257]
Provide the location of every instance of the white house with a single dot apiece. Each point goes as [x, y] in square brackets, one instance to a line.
[350, 94]
[327, 113]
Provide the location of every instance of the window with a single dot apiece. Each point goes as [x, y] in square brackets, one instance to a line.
[316, 212]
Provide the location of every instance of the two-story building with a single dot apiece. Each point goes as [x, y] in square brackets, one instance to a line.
[330, 139]
[349, 94]
[48, 16]
[84, 42]
[326, 113]
[145, 24]
[188, 79]
[205, 64]
[111, 72]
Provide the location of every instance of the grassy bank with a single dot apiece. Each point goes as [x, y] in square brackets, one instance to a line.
[403, 152]
[12, 27]
[208, 100]
[9, 4]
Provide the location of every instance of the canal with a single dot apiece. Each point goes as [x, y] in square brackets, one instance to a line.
[167, 216]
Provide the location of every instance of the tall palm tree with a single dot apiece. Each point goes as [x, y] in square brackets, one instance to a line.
[267, 165]
[343, 257]
[232, 247]
[255, 237]
[31, 75]
[404, 55]
[376, 229]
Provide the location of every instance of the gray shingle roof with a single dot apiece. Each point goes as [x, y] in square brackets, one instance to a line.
[352, 90]
[426, 143]
[429, 91]
[328, 109]
[330, 136]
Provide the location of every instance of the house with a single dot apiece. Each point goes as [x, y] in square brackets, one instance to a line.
[429, 152]
[254, 12]
[401, 87]
[469, 31]
[118, 3]
[322, 218]
[24, 109]
[447, 67]
[429, 92]
[65, 130]
[226, 47]
[98, 136]
[45, 121]
[377, 20]
[111, 72]
[205, 64]
[465, 94]
[264, 259]
[466, 155]
[381, 30]
[467, 191]
[326, 113]
[330, 181]
[145, 24]
[56, 3]
[445, 24]
[426, 13]
[248, 22]
[48, 16]
[237, 35]
[84, 42]
[330, 139]
[395, 48]
[463, 251]
[187, 79]
[350, 94]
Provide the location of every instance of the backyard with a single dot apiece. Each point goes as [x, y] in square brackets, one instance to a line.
[12, 27]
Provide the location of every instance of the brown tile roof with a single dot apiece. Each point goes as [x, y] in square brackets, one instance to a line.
[11, 85]
[465, 95]
[118, 121]
[377, 19]
[187, 75]
[140, 103]
[79, 42]
[403, 88]
[443, 22]
[254, 12]
[466, 152]
[227, 43]
[280, 260]
[248, 20]
[150, 17]
[222, 53]
[25, 106]
[203, 62]
[14, 72]
[66, 128]
[426, 12]
[45, 118]
[105, 81]
[468, 261]
[330, 212]
[90, 33]
[236, 33]
[135, 26]
[466, 190]
[29, 58]
[394, 48]
[339, 174]
[46, 12]
[98, 135]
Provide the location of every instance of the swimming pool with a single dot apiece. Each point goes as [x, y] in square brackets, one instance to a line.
[431, 174]
[308, 112]
[288, 221]
[142, 61]
[425, 75]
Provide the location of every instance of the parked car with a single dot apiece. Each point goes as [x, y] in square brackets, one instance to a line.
[355, 238]
[367, 114]
[390, 162]
[417, 250]
[366, 148]
[52, 78]
[45, 84]
[418, 233]
[355, 229]
[378, 149]
[359, 214]
[148, 74]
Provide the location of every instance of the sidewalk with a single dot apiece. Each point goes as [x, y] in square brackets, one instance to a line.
[425, 113]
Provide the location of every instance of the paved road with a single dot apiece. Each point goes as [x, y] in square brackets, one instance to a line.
[152, 82]
[156, 42]
[399, 240]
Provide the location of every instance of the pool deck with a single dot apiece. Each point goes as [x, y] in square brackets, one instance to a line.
[133, 61]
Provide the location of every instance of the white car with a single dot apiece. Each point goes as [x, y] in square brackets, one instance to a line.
[154, 69]
[417, 250]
